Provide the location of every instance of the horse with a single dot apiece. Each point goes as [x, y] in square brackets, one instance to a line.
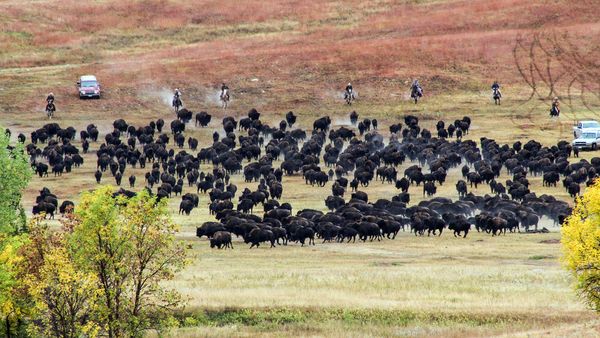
[349, 97]
[496, 95]
[50, 109]
[416, 93]
[177, 104]
[224, 97]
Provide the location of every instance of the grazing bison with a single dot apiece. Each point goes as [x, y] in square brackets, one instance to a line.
[429, 189]
[347, 233]
[132, 181]
[461, 188]
[322, 123]
[290, 118]
[257, 236]
[98, 176]
[208, 229]
[184, 115]
[186, 207]
[302, 234]
[367, 230]
[203, 119]
[45, 208]
[573, 189]
[458, 226]
[221, 239]
[66, 207]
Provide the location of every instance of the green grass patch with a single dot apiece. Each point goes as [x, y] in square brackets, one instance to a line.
[269, 317]
[540, 257]
[19, 35]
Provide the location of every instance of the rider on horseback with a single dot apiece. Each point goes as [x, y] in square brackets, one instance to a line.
[224, 90]
[555, 110]
[496, 93]
[416, 87]
[50, 107]
[177, 100]
[496, 89]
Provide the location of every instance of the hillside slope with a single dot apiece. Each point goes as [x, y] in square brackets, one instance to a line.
[276, 55]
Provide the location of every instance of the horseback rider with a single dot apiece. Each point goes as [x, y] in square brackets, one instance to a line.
[555, 110]
[224, 90]
[416, 87]
[50, 107]
[496, 88]
[177, 100]
[349, 90]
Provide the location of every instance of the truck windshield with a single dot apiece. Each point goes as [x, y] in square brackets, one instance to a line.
[589, 125]
[588, 135]
[89, 84]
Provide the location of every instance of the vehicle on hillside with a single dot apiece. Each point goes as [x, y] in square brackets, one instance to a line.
[88, 86]
[588, 139]
[582, 126]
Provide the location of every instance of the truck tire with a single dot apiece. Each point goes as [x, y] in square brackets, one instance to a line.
[594, 146]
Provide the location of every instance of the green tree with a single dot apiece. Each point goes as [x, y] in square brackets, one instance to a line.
[14, 177]
[581, 245]
[15, 174]
[130, 245]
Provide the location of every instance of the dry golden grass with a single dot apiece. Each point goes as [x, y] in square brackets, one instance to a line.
[479, 276]
[512, 275]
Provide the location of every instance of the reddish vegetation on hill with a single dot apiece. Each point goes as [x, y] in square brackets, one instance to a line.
[314, 44]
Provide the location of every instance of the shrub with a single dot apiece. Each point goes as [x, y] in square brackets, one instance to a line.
[581, 245]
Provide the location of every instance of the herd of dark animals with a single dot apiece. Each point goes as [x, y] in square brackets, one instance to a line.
[340, 155]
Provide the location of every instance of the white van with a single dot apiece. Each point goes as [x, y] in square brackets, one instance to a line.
[88, 86]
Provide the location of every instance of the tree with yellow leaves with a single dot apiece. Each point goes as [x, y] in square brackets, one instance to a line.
[102, 273]
[581, 245]
[129, 244]
[64, 298]
[12, 303]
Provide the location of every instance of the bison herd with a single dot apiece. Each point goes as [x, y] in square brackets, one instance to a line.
[411, 159]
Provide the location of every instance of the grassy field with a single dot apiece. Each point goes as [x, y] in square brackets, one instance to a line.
[297, 56]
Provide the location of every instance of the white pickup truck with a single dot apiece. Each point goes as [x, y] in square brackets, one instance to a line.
[585, 125]
[588, 139]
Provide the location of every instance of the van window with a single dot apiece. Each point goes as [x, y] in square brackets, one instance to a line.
[89, 84]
